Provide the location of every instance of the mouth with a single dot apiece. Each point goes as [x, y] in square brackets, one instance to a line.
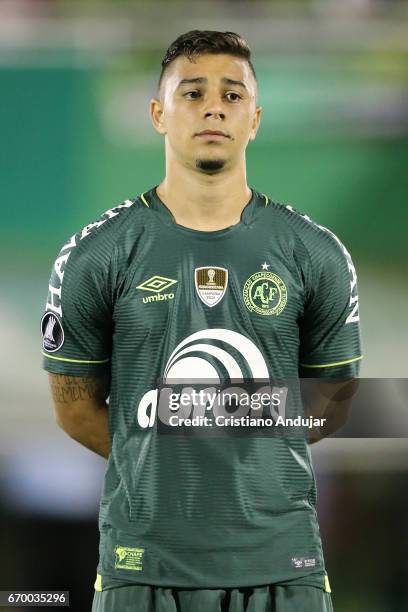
[212, 135]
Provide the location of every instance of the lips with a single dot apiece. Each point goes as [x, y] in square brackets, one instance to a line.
[212, 133]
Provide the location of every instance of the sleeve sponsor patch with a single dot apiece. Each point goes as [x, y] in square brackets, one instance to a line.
[52, 332]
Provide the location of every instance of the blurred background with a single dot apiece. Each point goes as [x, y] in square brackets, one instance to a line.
[75, 82]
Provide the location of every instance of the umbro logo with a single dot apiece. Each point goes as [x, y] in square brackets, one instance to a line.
[156, 284]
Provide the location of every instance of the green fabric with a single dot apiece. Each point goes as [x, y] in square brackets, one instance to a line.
[192, 510]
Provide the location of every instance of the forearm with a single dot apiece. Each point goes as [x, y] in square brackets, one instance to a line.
[331, 403]
[92, 431]
[82, 411]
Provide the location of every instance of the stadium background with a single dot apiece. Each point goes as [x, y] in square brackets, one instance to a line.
[76, 139]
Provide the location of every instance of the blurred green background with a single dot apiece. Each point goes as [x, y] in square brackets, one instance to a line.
[76, 139]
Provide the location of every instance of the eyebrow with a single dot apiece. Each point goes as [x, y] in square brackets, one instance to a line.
[203, 80]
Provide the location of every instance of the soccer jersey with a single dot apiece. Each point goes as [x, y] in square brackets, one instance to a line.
[141, 298]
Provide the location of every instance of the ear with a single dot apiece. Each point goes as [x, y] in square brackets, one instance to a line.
[157, 116]
[255, 122]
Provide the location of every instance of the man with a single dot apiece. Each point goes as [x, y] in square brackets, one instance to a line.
[199, 278]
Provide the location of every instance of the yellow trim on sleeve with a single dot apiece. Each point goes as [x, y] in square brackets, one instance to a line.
[327, 584]
[144, 200]
[98, 583]
[331, 365]
[74, 360]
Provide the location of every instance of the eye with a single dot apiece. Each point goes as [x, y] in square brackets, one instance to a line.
[232, 96]
[192, 94]
[233, 93]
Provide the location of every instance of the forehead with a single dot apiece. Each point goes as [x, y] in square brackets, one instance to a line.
[210, 66]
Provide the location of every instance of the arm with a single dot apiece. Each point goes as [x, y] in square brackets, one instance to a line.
[81, 409]
[77, 337]
[330, 343]
[330, 400]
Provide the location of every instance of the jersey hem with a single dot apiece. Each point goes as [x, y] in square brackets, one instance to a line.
[106, 581]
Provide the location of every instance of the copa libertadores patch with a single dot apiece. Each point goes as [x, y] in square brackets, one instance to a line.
[52, 332]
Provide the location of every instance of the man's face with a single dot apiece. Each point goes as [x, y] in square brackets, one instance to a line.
[214, 93]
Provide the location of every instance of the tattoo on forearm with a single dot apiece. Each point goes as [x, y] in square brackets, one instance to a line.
[68, 389]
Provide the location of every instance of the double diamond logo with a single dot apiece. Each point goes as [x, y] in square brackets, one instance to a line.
[157, 283]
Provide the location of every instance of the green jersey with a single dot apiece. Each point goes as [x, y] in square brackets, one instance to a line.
[142, 298]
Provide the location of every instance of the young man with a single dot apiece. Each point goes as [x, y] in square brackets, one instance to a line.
[200, 277]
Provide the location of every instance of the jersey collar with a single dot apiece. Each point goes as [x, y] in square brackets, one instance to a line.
[153, 201]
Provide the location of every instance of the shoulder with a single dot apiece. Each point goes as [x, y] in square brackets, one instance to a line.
[102, 233]
[94, 243]
[85, 258]
[318, 240]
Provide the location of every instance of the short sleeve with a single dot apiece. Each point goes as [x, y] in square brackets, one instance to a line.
[330, 339]
[77, 323]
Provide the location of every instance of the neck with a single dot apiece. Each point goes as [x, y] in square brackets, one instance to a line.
[203, 201]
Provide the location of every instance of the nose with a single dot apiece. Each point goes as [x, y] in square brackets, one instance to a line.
[214, 107]
[215, 113]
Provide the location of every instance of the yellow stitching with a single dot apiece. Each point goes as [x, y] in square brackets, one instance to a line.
[73, 360]
[144, 199]
[98, 583]
[330, 365]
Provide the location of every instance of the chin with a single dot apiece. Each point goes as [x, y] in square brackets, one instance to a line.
[210, 165]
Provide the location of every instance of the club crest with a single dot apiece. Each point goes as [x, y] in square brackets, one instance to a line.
[265, 293]
[211, 283]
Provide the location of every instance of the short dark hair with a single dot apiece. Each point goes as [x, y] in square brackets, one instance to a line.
[201, 42]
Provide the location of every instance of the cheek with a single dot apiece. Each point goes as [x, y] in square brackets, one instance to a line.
[244, 126]
[178, 119]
